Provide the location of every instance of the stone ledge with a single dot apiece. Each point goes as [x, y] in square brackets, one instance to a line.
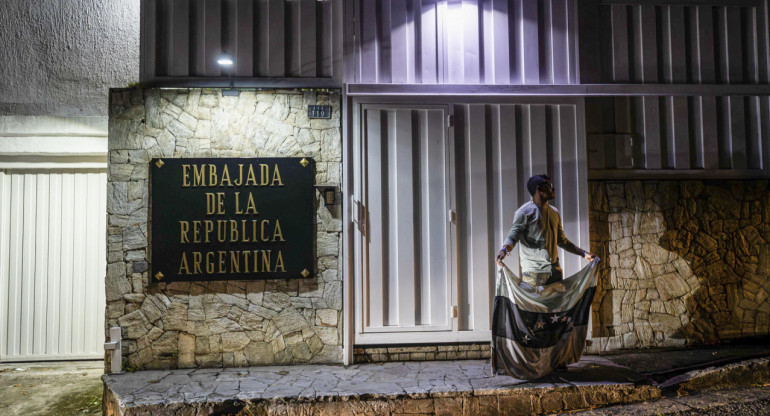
[744, 373]
[418, 352]
[418, 388]
[722, 402]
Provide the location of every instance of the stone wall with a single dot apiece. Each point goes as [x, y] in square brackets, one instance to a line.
[686, 262]
[231, 323]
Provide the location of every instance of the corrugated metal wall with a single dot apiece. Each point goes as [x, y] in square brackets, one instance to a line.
[416, 263]
[709, 133]
[52, 264]
[267, 38]
[676, 42]
[465, 42]
[671, 42]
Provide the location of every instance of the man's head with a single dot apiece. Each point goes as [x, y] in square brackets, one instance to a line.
[541, 184]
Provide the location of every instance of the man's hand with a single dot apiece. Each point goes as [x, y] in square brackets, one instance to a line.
[500, 256]
[589, 256]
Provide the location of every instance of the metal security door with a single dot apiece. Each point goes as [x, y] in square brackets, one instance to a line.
[434, 198]
[52, 263]
[497, 147]
[404, 278]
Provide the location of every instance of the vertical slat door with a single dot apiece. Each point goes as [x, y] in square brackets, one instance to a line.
[405, 280]
[52, 263]
[498, 147]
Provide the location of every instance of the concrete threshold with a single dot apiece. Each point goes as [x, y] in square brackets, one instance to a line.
[418, 388]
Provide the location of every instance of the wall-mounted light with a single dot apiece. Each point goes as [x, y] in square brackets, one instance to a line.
[226, 61]
[329, 193]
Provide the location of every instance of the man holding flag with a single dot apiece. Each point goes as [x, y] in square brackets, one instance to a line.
[540, 321]
[537, 229]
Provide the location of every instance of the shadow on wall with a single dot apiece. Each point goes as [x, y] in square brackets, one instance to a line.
[686, 262]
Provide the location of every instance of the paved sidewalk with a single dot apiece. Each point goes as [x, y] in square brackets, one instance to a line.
[436, 387]
[431, 387]
[427, 388]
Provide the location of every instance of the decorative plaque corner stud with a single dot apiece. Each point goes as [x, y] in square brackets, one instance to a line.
[159, 164]
[159, 276]
[304, 162]
[305, 273]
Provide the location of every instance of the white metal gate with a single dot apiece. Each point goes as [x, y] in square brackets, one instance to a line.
[405, 276]
[52, 263]
[435, 188]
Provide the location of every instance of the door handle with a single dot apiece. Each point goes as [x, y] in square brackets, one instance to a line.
[360, 218]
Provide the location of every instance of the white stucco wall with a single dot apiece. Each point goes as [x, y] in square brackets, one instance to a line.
[60, 57]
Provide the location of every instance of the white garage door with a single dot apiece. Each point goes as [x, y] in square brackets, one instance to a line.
[52, 263]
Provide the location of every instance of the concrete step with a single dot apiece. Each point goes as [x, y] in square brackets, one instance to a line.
[743, 373]
[743, 401]
[417, 388]
[739, 388]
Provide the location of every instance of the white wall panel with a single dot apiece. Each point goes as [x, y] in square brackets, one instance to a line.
[707, 134]
[464, 42]
[52, 263]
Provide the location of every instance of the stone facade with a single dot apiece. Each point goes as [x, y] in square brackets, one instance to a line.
[386, 353]
[230, 323]
[686, 262]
